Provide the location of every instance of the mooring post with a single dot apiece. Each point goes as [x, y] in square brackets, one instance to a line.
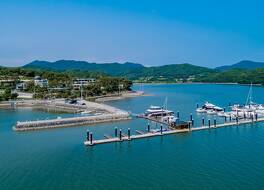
[189, 125]
[120, 134]
[203, 121]
[87, 135]
[128, 133]
[230, 118]
[178, 114]
[225, 118]
[256, 116]
[161, 129]
[214, 122]
[191, 117]
[115, 131]
[148, 127]
[91, 138]
[192, 122]
[209, 123]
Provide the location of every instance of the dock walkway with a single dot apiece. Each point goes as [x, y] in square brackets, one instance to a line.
[140, 135]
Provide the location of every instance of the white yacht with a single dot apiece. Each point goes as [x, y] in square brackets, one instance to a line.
[209, 106]
[153, 111]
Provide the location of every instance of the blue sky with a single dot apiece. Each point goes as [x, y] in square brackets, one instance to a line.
[150, 32]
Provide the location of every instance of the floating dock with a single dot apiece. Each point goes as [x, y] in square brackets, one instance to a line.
[150, 133]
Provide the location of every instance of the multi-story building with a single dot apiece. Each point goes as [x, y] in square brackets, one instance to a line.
[78, 83]
[38, 81]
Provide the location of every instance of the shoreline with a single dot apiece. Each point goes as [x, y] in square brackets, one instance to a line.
[106, 113]
[223, 83]
[124, 95]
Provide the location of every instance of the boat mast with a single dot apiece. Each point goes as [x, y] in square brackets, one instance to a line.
[249, 97]
[166, 103]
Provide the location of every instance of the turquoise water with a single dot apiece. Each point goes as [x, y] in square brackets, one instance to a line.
[230, 158]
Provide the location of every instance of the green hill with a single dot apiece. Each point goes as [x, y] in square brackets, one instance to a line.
[130, 70]
[242, 72]
[248, 65]
[114, 69]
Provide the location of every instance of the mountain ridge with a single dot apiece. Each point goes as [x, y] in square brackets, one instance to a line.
[127, 69]
[244, 64]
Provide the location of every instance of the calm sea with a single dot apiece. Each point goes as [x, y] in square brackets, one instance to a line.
[227, 158]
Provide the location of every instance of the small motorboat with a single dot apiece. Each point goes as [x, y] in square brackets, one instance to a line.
[170, 119]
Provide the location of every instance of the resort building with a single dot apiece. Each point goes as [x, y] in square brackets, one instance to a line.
[78, 83]
[7, 82]
[38, 81]
[21, 86]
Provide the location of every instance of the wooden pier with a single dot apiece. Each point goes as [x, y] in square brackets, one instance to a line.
[140, 134]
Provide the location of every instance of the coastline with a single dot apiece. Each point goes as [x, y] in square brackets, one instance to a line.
[121, 96]
[223, 83]
[101, 113]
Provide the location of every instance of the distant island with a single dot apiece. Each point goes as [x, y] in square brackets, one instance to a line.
[242, 72]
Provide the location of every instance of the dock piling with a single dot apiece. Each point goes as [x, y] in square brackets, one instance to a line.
[225, 119]
[91, 138]
[115, 131]
[161, 129]
[148, 127]
[128, 134]
[203, 121]
[189, 125]
[209, 123]
[191, 117]
[87, 135]
[230, 118]
[192, 122]
[120, 134]
[214, 122]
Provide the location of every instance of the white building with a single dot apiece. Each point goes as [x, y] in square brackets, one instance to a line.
[24, 95]
[38, 81]
[77, 83]
[21, 86]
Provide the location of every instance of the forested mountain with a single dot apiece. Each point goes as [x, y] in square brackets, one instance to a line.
[129, 70]
[248, 65]
[242, 72]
